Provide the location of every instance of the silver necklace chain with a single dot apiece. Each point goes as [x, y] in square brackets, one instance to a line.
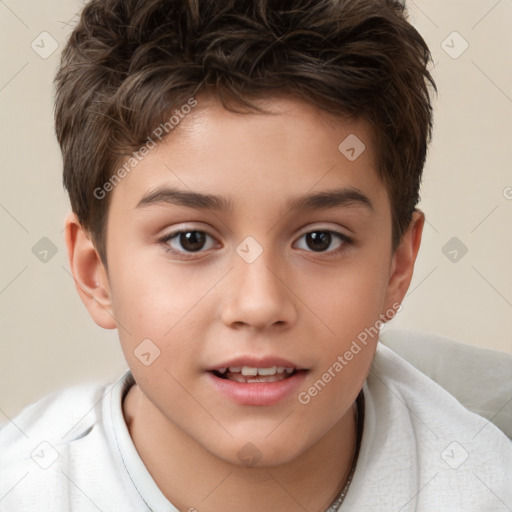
[359, 414]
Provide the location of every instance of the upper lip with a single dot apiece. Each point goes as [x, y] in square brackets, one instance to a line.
[256, 362]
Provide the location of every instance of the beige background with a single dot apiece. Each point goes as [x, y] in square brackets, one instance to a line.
[47, 338]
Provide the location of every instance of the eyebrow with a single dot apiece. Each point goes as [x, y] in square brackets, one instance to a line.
[342, 197]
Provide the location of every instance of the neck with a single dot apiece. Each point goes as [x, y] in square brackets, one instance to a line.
[194, 479]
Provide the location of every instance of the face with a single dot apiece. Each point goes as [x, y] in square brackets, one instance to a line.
[277, 271]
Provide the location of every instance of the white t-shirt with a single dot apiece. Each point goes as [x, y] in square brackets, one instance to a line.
[421, 451]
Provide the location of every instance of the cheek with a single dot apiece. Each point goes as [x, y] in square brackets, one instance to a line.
[166, 304]
[154, 294]
[350, 300]
[349, 306]
[346, 349]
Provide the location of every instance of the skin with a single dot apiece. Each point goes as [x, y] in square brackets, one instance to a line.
[293, 301]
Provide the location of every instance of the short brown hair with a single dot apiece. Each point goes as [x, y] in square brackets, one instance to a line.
[129, 63]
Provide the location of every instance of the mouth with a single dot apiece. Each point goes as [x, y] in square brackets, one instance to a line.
[253, 374]
[256, 381]
[258, 385]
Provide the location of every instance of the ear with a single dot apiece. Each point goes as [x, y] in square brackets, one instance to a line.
[89, 273]
[402, 263]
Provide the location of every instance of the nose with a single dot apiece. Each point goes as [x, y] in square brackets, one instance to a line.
[258, 296]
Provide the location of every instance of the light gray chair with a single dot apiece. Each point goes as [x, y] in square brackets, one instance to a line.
[480, 378]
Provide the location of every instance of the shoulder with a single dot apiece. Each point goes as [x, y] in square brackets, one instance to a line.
[480, 378]
[420, 437]
[53, 451]
[58, 418]
[393, 381]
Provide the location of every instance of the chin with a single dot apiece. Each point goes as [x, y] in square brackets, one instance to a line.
[252, 452]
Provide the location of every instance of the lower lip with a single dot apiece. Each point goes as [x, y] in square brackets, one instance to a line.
[258, 393]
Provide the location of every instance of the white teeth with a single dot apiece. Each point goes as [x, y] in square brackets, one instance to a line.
[247, 370]
[251, 371]
[237, 377]
[267, 371]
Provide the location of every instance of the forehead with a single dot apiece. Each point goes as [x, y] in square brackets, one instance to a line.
[280, 131]
[255, 156]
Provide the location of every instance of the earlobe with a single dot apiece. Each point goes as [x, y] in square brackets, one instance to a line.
[89, 273]
[402, 263]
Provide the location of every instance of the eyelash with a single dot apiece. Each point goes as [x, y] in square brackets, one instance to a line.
[344, 239]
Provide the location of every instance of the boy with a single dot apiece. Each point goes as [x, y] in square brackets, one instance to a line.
[208, 148]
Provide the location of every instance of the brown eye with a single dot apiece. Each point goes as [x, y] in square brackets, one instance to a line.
[186, 241]
[192, 240]
[321, 240]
